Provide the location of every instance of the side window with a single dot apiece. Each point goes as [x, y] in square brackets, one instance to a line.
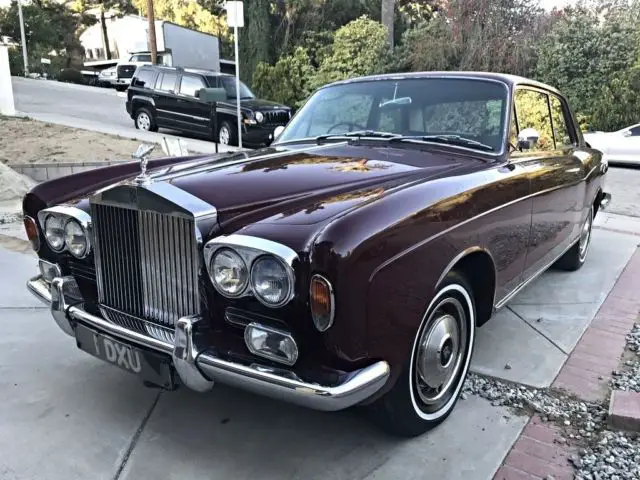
[144, 79]
[190, 84]
[532, 109]
[168, 82]
[560, 129]
[635, 131]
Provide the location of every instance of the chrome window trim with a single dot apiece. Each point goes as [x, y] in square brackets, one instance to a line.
[68, 213]
[252, 248]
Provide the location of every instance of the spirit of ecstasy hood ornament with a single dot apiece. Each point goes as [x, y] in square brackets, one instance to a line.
[142, 154]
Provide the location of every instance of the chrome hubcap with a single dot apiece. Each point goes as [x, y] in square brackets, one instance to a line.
[224, 136]
[440, 351]
[585, 236]
[144, 122]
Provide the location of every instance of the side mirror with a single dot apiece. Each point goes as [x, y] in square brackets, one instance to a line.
[212, 95]
[278, 131]
[196, 94]
[627, 133]
[528, 138]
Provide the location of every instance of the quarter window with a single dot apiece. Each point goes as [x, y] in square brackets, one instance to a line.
[189, 85]
[532, 110]
[560, 130]
[167, 82]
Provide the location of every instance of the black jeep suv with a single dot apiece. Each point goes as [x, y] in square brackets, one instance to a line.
[169, 97]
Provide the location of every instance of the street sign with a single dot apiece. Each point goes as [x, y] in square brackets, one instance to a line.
[235, 14]
[46, 61]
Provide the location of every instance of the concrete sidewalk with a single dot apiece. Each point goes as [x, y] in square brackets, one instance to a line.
[194, 145]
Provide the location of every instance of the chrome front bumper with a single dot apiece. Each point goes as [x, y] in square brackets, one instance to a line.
[199, 370]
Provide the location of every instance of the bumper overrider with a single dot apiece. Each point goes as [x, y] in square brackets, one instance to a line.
[199, 368]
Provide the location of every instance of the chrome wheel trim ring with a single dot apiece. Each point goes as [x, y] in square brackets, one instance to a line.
[585, 236]
[143, 120]
[224, 136]
[456, 381]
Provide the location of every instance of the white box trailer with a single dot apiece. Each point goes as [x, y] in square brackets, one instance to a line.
[176, 46]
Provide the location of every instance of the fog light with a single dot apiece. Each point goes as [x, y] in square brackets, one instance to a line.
[49, 270]
[270, 343]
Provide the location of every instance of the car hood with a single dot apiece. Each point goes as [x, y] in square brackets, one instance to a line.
[259, 104]
[306, 186]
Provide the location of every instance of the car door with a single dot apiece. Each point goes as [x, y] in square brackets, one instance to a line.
[626, 147]
[194, 113]
[165, 99]
[557, 176]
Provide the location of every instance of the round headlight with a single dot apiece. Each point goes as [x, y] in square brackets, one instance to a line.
[54, 232]
[229, 273]
[76, 239]
[270, 281]
[259, 117]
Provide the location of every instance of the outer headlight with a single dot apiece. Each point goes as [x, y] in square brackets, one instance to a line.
[76, 239]
[259, 117]
[270, 281]
[54, 232]
[229, 273]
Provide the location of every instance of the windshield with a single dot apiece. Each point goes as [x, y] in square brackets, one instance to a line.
[229, 84]
[470, 108]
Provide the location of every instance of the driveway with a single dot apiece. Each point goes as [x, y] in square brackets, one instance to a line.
[67, 415]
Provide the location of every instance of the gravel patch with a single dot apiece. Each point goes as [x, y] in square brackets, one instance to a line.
[615, 456]
[627, 378]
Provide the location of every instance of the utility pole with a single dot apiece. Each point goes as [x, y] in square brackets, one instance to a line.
[153, 48]
[235, 19]
[24, 41]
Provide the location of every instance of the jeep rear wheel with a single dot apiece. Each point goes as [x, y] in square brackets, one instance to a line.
[433, 377]
[145, 120]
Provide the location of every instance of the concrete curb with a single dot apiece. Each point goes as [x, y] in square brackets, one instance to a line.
[41, 172]
[624, 410]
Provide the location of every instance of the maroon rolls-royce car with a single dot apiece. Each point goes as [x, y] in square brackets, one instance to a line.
[350, 263]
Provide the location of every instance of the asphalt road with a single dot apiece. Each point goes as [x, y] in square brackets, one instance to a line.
[74, 101]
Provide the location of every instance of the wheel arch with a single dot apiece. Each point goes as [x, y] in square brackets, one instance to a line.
[138, 101]
[477, 265]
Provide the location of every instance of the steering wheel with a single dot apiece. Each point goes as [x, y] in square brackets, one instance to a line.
[348, 124]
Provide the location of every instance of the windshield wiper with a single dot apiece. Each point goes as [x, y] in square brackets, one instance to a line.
[358, 134]
[450, 139]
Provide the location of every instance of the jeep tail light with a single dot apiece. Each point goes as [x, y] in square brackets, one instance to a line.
[31, 228]
[322, 302]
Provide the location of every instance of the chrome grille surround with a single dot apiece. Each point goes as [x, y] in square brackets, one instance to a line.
[147, 253]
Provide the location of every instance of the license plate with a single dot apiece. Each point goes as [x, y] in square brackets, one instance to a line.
[150, 366]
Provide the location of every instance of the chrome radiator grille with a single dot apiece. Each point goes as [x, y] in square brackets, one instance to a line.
[146, 264]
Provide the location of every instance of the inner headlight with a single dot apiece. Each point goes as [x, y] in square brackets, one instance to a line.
[259, 117]
[229, 273]
[54, 232]
[270, 281]
[76, 239]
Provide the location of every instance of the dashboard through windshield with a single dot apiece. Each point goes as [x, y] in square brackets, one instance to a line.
[474, 109]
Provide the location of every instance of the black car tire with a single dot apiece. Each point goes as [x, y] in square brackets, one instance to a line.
[226, 134]
[575, 257]
[144, 116]
[406, 410]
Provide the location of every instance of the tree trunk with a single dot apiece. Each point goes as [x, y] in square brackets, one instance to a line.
[387, 17]
[105, 35]
[153, 48]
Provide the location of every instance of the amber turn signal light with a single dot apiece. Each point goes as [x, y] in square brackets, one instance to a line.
[31, 228]
[322, 302]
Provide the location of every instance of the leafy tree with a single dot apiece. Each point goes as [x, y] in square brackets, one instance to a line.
[50, 31]
[255, 38]
[287, 81]
[359, 48]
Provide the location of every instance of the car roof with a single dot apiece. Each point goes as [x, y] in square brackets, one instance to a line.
[508, 79]
[200, 71]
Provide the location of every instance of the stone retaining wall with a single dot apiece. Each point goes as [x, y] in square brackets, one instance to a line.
[41, 172]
